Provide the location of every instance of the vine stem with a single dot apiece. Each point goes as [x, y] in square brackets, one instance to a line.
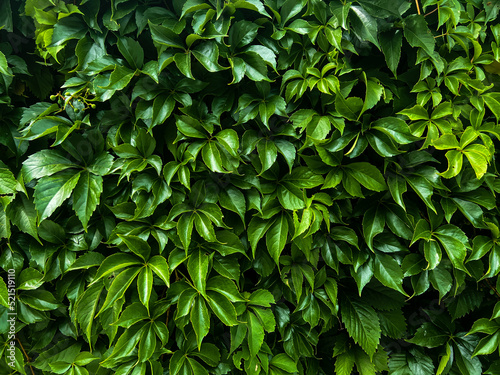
[439, 36]
[432, 11]
[418, 7]
[26, 355]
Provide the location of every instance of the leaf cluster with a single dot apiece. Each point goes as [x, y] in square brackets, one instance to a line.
[250, 186]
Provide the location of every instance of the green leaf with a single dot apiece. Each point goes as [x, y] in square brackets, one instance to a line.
[200, 319]
[423, 188]
[415, 113]
[388, 272]
[395, 128]
[455, 161]
[487, 345]
[385, 8]
[145, 285]
[492, 100]
[4, 224]
[455, 242]
[429, 336]
[163, 106]
[212, 157]
[68, 28]
[86, 261]
[242, 33]
[348, 108]
[29, 279]
[367, 175]
[276, 237]
[491, 8]
[198, 270]
[303, 177]
[132, 51]
[86, 196]
[4, 66]
[485, 325]
[441, 280]
[86, 306]
[362, 324]
[228, 138]
[147, 344]
[373, 224]
[267, 153]
[442, 110]
[185, 229]
[41, 300]
[52, 191]
[374, 91]
[204, 227]
[160, 267]
[417, 33]
[23, 215]
[364, 25]
[4, 296]
[8, 183]
[344, 234]
[222, 307]
[284, 362]
[233, 199]
[262, 298]
[344, 364]
[183, 62]
[114, 263]
[208, 54]
[119, 78]
[392, 323]
[478, 157]
[45, 163]
[255, 333]
[287, 149]
[137, 245]
[119, 286]
[164, 36]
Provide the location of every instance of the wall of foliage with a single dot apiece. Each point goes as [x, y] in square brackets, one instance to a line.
[194, 187]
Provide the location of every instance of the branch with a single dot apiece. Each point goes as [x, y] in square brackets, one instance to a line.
[28, 360]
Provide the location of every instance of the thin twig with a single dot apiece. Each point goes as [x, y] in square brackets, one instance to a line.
[438, 36]
[418, 7]
[26, 355]
[432, 11]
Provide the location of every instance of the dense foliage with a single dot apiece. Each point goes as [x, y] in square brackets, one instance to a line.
[250, 186]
